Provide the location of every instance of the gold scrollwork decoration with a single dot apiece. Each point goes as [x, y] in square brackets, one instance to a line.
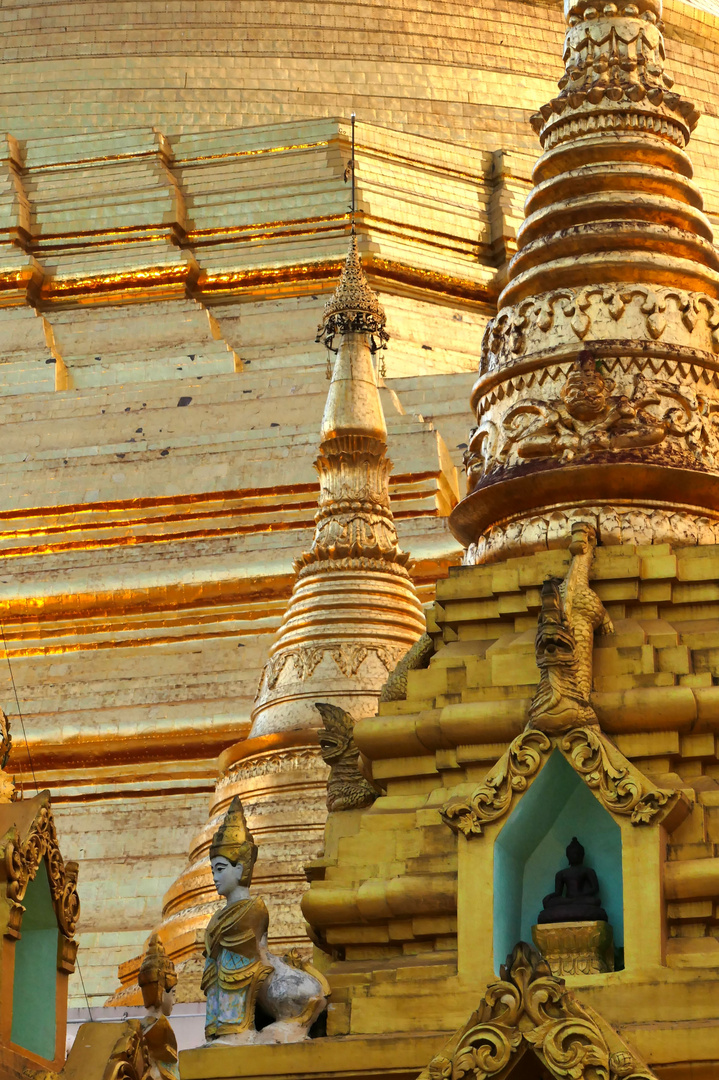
[592, 414]
[622, 789]
[21, 860]
[493, 798]
[529, 1010]
[130, 1057]
[584, 309]
[348, 658]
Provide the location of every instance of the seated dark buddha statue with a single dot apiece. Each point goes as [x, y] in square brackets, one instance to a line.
[576, 892]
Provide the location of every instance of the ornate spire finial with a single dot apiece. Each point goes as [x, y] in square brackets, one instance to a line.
[233, 840]
[353, 307]
[351, 169]
[353, 609]
[596, 375]
[614, 55]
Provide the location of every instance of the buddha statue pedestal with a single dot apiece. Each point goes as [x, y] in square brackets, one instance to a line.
[572, 932]
[576, 948]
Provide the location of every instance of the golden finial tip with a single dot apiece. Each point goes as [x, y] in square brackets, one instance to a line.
[353, 307]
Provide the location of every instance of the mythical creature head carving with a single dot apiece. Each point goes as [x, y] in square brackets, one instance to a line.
[586, 391]
[347, 788]
[336, 734]
[555, 642]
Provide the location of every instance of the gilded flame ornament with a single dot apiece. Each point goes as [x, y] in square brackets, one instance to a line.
[347, 788]
[352, 615]
[621, 787]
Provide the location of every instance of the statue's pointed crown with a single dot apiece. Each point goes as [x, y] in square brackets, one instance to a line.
[156, 966]
[353, 307]
[233, 840]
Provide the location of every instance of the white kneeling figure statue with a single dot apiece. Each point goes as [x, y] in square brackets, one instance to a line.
[239, 968]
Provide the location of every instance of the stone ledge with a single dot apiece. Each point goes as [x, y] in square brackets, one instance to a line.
[349, 1058]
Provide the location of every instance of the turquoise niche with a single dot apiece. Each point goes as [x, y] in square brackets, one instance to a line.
[530, 850]
[35, 981]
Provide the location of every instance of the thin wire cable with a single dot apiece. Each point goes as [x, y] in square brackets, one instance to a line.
[19, 712]
[87, 999]
[37, 786]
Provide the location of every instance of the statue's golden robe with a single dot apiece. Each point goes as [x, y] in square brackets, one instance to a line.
[234, 969]
[162, 1046]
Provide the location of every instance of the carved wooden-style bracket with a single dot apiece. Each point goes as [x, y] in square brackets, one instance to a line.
[623, 790]
[531, 1011]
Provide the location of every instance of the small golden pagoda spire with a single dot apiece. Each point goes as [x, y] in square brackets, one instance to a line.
[354, 314]
[597, 394]
[354, 520]
[352, 615]
[353, 612]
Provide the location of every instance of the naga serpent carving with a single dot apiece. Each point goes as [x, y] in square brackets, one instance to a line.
[418, 657]
[571, 613]
[347, 788]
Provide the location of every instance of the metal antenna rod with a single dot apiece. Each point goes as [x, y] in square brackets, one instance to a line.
[352, 163]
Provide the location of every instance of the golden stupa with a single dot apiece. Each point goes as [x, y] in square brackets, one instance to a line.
[173, 227]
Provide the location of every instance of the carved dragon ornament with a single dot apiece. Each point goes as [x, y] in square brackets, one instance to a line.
[418, 657]
[570, 615]
[561, 716]
[347, 788]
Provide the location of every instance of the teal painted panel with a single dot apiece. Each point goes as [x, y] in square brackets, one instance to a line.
[530, 850]
[35, 985]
